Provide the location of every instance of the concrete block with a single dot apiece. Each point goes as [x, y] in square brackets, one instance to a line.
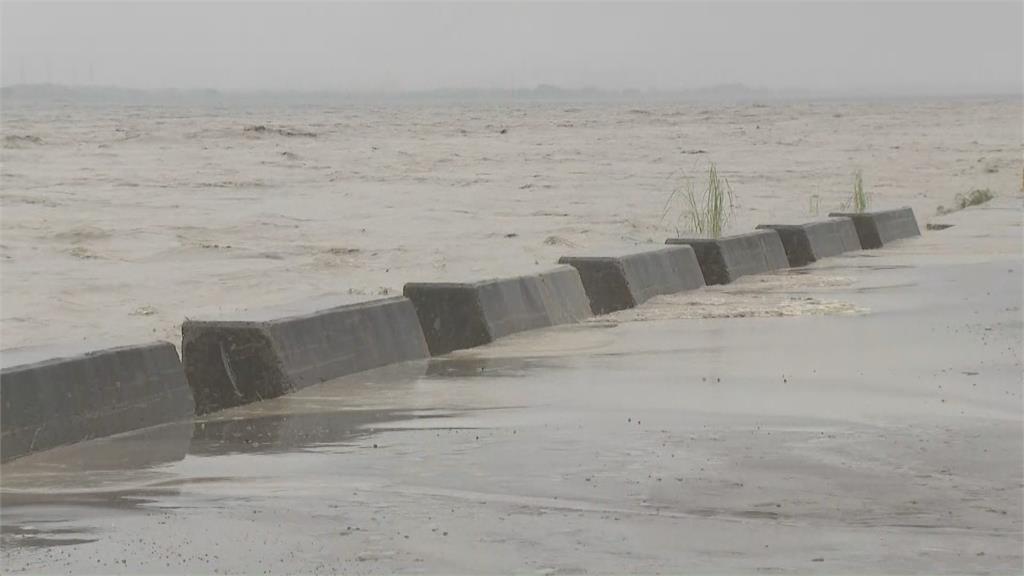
[877, 229]
[725, 259]
[50, 397]
[617, 280]
[263, 354]
[806, 243]
[463, 315]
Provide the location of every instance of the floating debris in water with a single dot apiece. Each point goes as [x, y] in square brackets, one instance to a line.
[264, 129]
[18, 141]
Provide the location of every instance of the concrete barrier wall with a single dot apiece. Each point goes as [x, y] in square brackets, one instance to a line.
[725, 259]
[806, 243]
[463, 315]
[272, 352]
[68, 399]
[561, 290]
[876, 229]
[624, 279]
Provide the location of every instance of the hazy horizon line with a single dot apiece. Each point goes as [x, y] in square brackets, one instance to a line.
[728, 90]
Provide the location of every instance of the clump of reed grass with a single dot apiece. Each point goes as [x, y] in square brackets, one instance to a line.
[709, 211]
[705, 212]
[814, 205]
[859, 199]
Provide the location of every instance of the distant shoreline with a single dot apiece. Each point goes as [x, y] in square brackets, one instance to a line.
[43, 94]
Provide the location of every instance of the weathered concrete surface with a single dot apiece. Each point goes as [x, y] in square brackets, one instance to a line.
[73, 397]
[723, 260]
[876, 229]
[807, 243]
[883, 441]
[229, 362]
[620, 279]
[455, 316]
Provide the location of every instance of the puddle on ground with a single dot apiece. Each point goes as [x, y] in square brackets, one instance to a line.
[125, 472]
[470, 366]
[275, 433]
[38, 535]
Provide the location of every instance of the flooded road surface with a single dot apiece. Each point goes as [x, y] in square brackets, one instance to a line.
[860, 415]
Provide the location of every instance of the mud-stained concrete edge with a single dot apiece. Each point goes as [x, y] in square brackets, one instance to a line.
[456, 316]
[619, 281]
[809, 242]
[68, 399]
[234, 362]
[876, 229]
[723, 260]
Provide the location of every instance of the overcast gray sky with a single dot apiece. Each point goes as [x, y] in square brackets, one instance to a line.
[919, 47]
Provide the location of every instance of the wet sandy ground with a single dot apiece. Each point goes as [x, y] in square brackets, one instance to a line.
[880, 435]
[116, 223]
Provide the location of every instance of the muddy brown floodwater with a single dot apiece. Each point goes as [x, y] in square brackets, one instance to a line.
[861, 415]
[119, 222]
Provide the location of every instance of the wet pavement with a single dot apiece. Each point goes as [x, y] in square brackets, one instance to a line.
[860, 415]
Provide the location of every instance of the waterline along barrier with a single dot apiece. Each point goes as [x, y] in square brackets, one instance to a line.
[260, 355]
[876, 229]
[72, 396]
[52, 397]
[812, 241]
[463, 315]
[620, 279]
[723, 260]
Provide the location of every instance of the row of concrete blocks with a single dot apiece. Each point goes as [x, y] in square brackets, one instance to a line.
[232, 362]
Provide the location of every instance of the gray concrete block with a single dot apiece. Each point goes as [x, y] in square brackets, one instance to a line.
[877, 229]
[806, 243]
[264, 354]
[617, 280]
[563, 295]
[463, 315]
[73, 396]
[725, 259]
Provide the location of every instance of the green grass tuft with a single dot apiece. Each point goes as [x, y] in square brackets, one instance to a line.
[814, 205]
[709, 213]
[859, 199]
[703, 213]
